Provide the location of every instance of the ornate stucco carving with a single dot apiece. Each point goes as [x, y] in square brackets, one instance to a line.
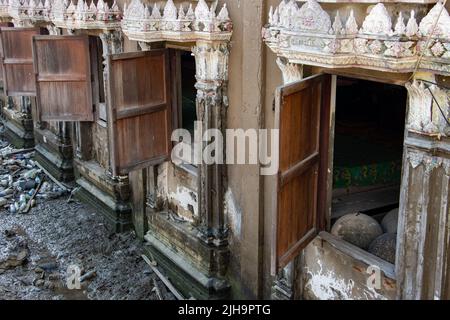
[306, 34]
[441, 28]
[425, 115]
[378, 21]
[291, 71]
[150, 22]
[211, 61]
[63, 13]
[141, 20]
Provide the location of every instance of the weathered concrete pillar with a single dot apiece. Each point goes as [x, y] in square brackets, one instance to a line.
[212, 76]
[423, 258]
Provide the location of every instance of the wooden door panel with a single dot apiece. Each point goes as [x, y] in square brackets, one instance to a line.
[140, 109]
[63, 76]
[17, 56]
[2, 25]
[302, 116]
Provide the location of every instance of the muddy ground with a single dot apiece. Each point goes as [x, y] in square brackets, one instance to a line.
[37, 248]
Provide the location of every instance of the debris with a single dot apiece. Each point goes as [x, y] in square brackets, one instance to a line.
[163, 278]
[48, 266]
[30, 202]
[157, 290]
[88, 275]
[14, 260]
[60, 185]
[21, 178]
[9, 151]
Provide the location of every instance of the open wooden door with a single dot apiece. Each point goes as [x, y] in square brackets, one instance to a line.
[139, 112]
[17, 59]
[303, 118]
[63, 78]
[2, 25]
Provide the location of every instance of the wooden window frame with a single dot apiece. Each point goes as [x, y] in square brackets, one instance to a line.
[322, 157]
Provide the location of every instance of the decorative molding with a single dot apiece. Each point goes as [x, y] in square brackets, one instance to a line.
[292, 72]
[146, 22]
[305, 34]
[211, 61]
[425, 116]
[62, 13]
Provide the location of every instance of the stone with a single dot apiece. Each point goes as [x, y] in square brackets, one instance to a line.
[390, 221]
[357, 228]
[384, 247]
[48, 266]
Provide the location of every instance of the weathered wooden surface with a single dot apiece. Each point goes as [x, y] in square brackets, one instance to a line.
[138, 185]
[139, 110]
[336, 270]
[423, 243]
[301, 116]
[63, 77]
[17, 56]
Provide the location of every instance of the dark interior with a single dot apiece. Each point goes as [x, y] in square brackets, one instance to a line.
[188, 91]
[368, 147]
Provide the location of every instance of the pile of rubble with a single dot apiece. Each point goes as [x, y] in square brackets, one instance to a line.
[22, 181]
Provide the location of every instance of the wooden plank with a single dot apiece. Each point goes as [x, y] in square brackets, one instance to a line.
[140, 108]
[364, 201]
[302, 116]
[17, 59]
[359, 254]
[63, 76]
[138, 184]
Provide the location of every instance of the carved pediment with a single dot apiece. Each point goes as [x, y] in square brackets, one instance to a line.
[378, 21]
[439, 19]
[305, 34]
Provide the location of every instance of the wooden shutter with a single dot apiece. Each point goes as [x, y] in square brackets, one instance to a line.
[63, 78]
[17, 58]
[302, 116]
[139, 112]
[2, 25]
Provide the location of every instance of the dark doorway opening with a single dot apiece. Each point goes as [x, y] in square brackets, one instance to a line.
[188, 91]
[368, 149]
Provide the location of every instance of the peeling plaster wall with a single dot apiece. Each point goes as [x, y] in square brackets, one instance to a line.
[330, 274]
[178, 187]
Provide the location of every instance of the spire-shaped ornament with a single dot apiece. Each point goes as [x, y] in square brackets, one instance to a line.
[190, 15]
[202, 11]
[337, 25]
[170, 11]
[224, 14]
[400, 27]
[156, 13]
[271, 16]
[412, 27]
[351, 27]
[181, 13]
